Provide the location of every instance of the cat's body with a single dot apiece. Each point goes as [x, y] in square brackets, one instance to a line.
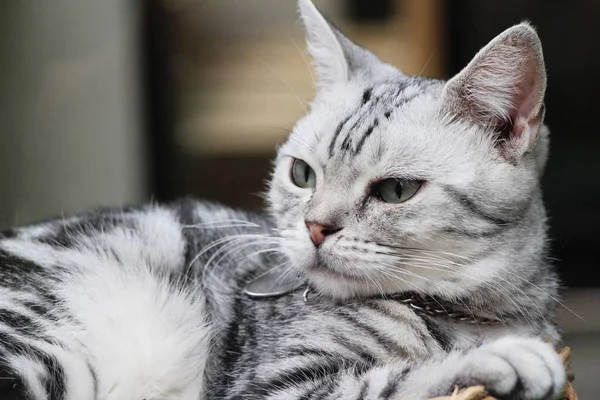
[121, 305]
[390, 185]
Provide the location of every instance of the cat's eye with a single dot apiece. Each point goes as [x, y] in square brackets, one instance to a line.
[395, 190]
[303, 175]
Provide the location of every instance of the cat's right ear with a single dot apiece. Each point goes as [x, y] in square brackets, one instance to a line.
[323, 45]
[336, 58]
[503, 88]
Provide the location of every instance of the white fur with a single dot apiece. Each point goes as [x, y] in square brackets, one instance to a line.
[146, 337]
[497, 365]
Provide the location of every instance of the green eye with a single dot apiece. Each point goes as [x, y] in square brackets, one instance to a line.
[302, 175]
[396, 190]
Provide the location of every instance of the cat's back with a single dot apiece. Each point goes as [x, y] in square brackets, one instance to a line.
[113, 299]
[160, 236]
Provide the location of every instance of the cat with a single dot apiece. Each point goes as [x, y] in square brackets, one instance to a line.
[403, 254]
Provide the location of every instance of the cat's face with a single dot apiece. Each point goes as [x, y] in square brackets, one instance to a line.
[395, 183]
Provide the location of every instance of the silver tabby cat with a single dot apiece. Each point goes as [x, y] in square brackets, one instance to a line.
[412, 208]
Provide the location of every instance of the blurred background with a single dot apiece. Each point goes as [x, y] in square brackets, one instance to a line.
[116, 102]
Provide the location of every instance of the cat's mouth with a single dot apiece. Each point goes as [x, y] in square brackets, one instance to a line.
[328, 266]
[324, 270]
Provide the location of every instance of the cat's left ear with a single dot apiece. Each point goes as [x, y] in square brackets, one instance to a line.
[502, 89]
[336, 58]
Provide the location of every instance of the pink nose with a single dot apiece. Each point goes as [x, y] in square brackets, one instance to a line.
[318, 232]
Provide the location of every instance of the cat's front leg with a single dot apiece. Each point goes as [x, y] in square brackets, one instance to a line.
[511, 368]
[377, 383]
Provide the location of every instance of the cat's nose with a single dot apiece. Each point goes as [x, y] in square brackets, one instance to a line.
[318, 232]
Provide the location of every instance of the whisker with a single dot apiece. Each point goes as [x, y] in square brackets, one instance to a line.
[429, 255]
[443, 289]
[508, 294]
[223, 223]
[289, 269]
[208, 272]
[428, 260]
[282, 81]
[312, 76]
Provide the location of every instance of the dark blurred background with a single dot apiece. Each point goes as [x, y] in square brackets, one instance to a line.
[120, 101]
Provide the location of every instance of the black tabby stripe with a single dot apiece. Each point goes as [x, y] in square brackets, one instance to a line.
[320, 390]
[383, 341]
[453, 230]
[24, 275]
[54, 383]
[337, 133]
[362, 394]
[94, 378]
[69, 233]
[8, 233]
[390, 389]
[377, 307]
[22, 324]
[308, 351]
[232, 344]
[391, 95]
[466, 202]
[347, 141]
[394, 381]
[438, 334]
[405, 100]
[239, 343]
[44, 307]
[367, 95]
[365, 136]
[367, 357]
[310, 393]
[307, 373]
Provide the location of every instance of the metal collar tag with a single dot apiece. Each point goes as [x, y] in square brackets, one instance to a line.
[274, 283]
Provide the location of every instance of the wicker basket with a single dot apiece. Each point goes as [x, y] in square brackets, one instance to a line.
[479, 393]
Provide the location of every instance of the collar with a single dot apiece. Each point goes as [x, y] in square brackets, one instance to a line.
[425, 305]
[273, 284]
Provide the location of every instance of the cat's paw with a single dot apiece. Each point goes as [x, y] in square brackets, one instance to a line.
[514, 368]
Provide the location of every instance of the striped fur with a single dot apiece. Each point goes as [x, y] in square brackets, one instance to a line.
[118, 305]
[147, 303]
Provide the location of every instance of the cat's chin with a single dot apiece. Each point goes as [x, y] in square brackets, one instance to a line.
[332, 273]
[343, 285]
[342, 278]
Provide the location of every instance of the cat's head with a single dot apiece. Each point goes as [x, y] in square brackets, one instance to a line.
[393, 182]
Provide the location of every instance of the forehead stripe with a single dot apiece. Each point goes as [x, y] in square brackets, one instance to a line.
[337, 133]
[362, 140]
[393, 94]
